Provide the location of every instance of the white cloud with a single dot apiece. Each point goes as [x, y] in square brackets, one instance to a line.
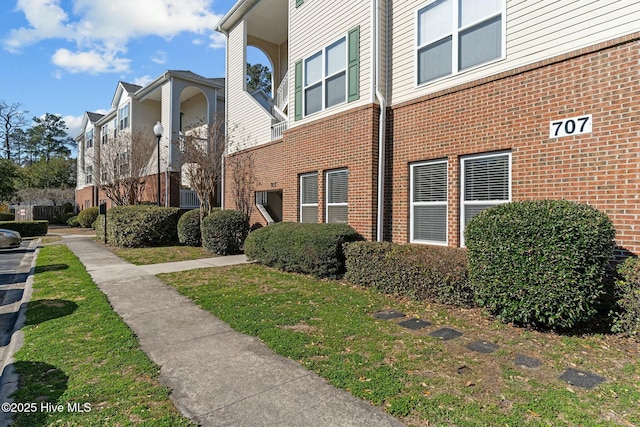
[73, 125]
[217, 40]
[91, 62]
[101, 29]
[160, 57]
[142, 81]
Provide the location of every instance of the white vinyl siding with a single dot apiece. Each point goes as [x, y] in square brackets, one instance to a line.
[486, 182]
[428, 220]
[454, 35]
[309, 198]
[249, 123]
[314, 27]
[534, 31]
[337, 190]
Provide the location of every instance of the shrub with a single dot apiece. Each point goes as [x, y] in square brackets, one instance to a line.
[540, 262]
[6, 216]
[87, 217]
[27, 228]
[314, 249]
[189, 232]
[626, 318]
[224, 231]
[140, 226]
[434, 273]
[73, 221]
[62, 218]
[98, 226]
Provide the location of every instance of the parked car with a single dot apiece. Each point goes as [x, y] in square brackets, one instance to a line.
[9, 239]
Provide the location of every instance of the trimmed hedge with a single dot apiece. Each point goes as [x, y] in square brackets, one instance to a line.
[433, 273]
[27, 228]
[224, 232]
[189, 230]
[7, 216]
[73, 221]
[540, 262]
[87, 216]
[138, 226]
[314, 249]
[626, 318]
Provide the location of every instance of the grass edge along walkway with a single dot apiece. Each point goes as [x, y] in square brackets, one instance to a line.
[328, 327]
[80, 364]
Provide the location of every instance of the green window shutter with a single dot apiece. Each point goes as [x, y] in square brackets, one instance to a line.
[299, 2]
[298, 91]
[354, 65]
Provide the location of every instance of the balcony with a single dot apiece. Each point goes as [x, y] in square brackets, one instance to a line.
[189, 199]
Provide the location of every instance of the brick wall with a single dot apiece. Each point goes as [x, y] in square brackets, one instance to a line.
[512, 112]
[345, 140]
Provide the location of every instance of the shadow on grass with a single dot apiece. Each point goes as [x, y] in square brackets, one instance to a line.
[39, 311]
[41, 386]
[52, 267]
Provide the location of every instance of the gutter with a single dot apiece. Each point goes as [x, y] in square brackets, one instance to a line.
[382, 125]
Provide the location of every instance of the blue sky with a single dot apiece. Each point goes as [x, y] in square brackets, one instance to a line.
[66, 57]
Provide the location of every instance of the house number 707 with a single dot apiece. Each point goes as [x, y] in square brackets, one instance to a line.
[571, 126]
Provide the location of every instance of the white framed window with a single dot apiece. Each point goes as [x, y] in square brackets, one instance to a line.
[486, 182]
[336, 192]
[104, 133]
[309, 198]
[123, 117]
[88, 174]
[325, 78]
[428, 218]
[88, 136]
[455, 35]
[115, 128]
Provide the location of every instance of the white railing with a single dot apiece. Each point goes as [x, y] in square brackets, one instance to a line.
[282, 93]
[277, 129]
[189, 199]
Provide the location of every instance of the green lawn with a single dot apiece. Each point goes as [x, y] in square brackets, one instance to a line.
[145, 256]
[328, 327]
[79, 354]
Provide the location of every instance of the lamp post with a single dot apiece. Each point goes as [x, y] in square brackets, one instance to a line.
[158, 130]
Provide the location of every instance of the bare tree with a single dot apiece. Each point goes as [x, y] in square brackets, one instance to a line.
[241, 167]
[201, 152]
[122, 166]
[12, 118]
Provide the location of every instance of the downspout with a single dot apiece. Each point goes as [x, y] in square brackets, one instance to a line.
[382, 123]
[226, 115]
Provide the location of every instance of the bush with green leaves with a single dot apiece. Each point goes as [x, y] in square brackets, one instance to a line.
[189, 228]
[314, 249]
[62, 218]
[626, 317]
[27, 228]
[224, 231]
[138, 226]
[540, 262]
[87, 216]
[73, 221]
[433, 273]
[7, 216]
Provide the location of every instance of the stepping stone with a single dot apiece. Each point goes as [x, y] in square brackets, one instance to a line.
[527, 361]
[446, 334]
[388, 314]
[414, 324]
[581, 378]
[483, 347]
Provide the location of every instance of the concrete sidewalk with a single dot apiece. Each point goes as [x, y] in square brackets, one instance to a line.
[217, 376]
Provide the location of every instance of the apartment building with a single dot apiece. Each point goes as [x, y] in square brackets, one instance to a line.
[181, 101]
[404, 119]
